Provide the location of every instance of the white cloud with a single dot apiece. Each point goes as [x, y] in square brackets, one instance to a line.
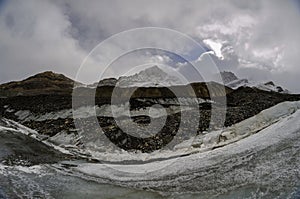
[57, 35]
[35, 37]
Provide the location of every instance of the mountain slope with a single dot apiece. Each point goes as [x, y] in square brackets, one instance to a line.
[232, 81]
[43, 83]
[150, 77]
[149, 83]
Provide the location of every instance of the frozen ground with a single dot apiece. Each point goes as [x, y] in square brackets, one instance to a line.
[257, 158]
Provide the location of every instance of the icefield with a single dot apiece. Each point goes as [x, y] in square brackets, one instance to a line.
[256, 158]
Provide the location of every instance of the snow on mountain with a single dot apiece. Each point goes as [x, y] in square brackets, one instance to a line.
[157, 77]
[228, 77]
[270, 86]
[150, 77]
[153, 76]
[232, 81]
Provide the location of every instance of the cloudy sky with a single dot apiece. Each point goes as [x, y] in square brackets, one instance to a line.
[255, 39]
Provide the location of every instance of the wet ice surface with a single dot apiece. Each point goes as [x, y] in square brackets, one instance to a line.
[267, 161]
[44, 182]
[48, 183]
[263, 164]
[261, 176]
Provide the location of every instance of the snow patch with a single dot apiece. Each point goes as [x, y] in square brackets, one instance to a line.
[36, 169]
[106, 110]
[276, 128]
[247, 127]
[208, 141]
[233, 82]
[10, 125]
[150, 77]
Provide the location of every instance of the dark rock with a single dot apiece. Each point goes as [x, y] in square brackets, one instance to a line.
[242, 103]
[19, 149]
[42, 83]
[270, 83]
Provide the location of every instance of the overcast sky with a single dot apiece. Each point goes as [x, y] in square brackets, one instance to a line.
[257, 39]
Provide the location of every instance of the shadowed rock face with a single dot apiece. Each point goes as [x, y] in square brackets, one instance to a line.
[19, 149]
[200, 90]
[228, 77]
[129, 142]
[42, 83]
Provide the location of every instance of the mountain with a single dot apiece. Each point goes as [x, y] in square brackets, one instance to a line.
[149, 83]
[104, 82]
[43, 83]
[228, 77]
[44, 103]
[232, 81]
[150, 77]
[271, 86]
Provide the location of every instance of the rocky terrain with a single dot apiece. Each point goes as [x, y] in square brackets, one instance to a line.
[150, 77]
[40, 84]
[19, 148]
[232, 81]
[44, 103]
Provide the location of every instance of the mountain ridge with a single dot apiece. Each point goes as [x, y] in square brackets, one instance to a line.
[41, 83]
[234, 82]
[48, 82]
[152, 80]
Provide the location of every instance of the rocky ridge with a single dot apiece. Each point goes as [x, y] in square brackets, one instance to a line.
[55, 108]
[232, 81]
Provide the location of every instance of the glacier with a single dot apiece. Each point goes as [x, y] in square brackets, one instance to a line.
[256, 158]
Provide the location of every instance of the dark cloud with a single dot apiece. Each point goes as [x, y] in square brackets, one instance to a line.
[260, 39]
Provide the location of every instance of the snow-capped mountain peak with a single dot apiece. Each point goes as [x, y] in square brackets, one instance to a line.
[232, 81]
[150, 77]
[228, 77]
[153, 76]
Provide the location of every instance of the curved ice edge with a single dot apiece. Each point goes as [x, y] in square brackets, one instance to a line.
[243, 129]
[278, 123]
[11, 125]
[201, 143]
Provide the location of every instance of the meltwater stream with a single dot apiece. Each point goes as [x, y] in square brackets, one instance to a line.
[263, 164]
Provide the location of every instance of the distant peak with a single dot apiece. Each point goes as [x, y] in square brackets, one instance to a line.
[228, 76]
[152, 76]
[46, 82]
[270, 83]
[153, 70]
[46, 73]
[50, 75]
